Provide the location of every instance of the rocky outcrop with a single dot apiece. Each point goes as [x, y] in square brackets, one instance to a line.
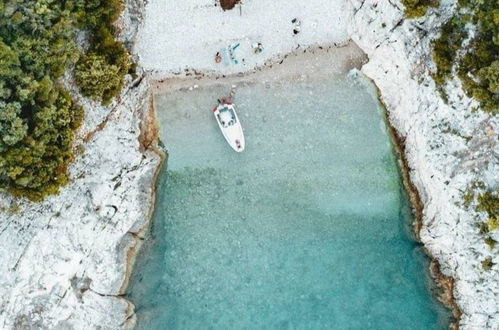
[64, 261]
[447, 146]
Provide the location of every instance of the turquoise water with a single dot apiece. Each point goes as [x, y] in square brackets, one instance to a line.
[308, 228]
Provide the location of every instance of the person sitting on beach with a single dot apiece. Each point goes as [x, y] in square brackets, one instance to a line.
[218, 58]
[297, 24]
[257, 48]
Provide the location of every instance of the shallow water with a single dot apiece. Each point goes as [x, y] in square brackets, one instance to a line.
[308, 228]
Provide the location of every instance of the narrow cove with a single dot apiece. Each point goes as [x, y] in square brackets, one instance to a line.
[308, 228]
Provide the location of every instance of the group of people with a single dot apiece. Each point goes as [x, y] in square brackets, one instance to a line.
[257, 46]
[257, 49]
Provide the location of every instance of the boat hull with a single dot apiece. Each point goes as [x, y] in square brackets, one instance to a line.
[232, 133]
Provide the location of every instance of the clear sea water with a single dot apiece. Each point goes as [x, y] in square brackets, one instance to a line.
[308, 228]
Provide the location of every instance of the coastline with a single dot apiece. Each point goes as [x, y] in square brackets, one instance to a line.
[149, 142]
[278, 69]
[444, 284]
[138, 237]
[66, 261]
[282, 67]
[261, 75]
[400, 65]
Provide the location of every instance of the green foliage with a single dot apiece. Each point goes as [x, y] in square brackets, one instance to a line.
[489, 202]
[94, 14]
[446, 47]
[478, 68]
[490, 242]
[37, 165]
[12, 128]
[100, 73]
[11, 210]
[417, 8]
[468, 197]
[98, 78]
[487, 263]
[493, 223]
[37, 116]
[483, 228]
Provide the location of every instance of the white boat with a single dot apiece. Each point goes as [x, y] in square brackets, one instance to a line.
[229, 124]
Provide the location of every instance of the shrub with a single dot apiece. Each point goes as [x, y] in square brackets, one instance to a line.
[12, 128]
[489, 202]
[35, 164]
[487, 263]
[493, 223]
[490, 242]
[94, 14]
[100, 73]
[468, 197]
[417, 8]
[478, 69]
[99, 79]
[445, 48]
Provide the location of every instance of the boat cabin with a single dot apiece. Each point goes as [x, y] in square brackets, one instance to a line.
[227, 117]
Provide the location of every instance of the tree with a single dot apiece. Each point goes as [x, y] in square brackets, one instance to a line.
[97, 78]
[12, 128]
[37, 116]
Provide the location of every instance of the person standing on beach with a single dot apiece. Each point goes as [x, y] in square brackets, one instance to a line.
[297, 24]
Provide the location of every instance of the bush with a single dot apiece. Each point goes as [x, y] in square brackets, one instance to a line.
[478, 69]
[445, 48]
[417, 8]
[487, 264]
[489, 202]
[490, 242]
[100, 73]
[37, 165]
[99, 79]
[493, 223]
[94, 14]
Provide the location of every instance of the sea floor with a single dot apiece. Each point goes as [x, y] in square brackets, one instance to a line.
[308, 228]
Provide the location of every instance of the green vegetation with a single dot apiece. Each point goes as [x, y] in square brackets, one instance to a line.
[486, 201]
[468, 197]
[99, 78]
[490, 242]
[12, 209]
[446, 48]
[478, 68]
[100, 72]
[417, 8]
[37, 115]
[489, 202]
[487, 263]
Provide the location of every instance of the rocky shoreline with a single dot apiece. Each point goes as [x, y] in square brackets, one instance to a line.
[66, 261]
[444, 284]
[400, 64]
